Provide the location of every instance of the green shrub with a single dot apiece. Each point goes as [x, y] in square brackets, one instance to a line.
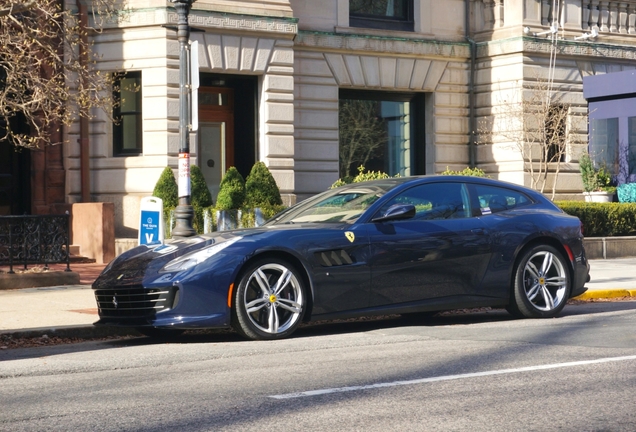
[603, 219]
[594, 179]
[201, 196]
[248, 218]
[474, 172]
[166, 188]
[361, 177]
[588, 173]
[231, 191]
[261, 188]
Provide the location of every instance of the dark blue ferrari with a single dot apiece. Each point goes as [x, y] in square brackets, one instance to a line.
[393, 246]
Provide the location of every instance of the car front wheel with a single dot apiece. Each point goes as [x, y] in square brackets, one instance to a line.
[542, 283]
[270, 300]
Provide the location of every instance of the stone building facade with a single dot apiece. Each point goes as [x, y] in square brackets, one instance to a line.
[275, 75]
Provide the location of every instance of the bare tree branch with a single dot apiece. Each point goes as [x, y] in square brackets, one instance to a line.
[43, 82]
[532, 120]
[362, 134]
[17, 8]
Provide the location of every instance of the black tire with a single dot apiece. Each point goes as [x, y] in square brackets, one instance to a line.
[160, 333]
[542, 283]
[265, 309]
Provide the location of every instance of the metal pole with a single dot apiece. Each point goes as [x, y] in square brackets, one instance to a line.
[184, 213]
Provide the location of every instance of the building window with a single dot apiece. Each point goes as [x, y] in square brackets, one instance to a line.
[378, 131]
[604, 143]
[554, 127]
[612, 123]
[627, 154]
[127, 128]
[382, 14]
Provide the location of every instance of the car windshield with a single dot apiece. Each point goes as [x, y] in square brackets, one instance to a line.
[343, 204]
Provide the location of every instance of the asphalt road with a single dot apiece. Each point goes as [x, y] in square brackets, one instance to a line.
[477, 372]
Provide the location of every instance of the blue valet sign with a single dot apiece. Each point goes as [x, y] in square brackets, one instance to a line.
[151, 221]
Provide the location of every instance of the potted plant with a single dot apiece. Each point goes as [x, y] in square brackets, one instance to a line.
[597, 183]
[229, 200]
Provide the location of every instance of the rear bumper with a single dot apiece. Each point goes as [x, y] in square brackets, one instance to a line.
[581, 276]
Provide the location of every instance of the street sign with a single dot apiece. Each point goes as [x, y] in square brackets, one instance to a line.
[151, 226]
[194, 85]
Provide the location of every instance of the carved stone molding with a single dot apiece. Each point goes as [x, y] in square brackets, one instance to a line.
[239, 23]
[568, 48]
[415, 47]
[385, 72]
[207, 20]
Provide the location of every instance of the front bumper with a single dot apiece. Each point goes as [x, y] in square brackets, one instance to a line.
[195, 298]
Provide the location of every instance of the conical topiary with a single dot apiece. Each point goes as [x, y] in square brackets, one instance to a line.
[201, 196]
[261, 188]
[231, 191]
[166, 189]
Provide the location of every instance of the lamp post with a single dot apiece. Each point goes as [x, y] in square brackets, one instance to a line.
[184, 212]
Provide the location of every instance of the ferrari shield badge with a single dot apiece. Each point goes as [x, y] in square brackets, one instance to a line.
[350, 236]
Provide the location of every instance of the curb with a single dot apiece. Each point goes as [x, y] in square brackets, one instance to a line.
[11, 281]
[77, 331]
[606, 293]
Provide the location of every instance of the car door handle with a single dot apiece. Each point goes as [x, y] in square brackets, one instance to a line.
[480, 231]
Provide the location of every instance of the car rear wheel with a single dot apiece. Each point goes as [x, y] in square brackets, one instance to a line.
[270, 300]
[542, 283]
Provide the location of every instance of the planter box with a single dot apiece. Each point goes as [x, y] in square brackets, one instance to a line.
[599, 196]
[38, 279]
[609, 247]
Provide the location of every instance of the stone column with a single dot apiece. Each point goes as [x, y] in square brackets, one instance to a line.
[585, 15]
[604, 14]
[531, 12]
[277, 135]
[571, 18]
[594, 14]
[613, 17]
[622, 17]
[545, 12]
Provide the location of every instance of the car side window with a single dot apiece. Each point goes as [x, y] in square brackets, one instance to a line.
[434, 201]
[494, 199]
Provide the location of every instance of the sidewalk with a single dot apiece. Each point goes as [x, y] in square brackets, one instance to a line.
[71, 310]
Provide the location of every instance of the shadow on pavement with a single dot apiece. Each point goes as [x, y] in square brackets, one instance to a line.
[316, 329]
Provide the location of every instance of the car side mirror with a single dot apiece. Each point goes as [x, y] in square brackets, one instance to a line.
[397, 212]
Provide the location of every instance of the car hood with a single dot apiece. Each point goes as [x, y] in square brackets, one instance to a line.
[130, 267]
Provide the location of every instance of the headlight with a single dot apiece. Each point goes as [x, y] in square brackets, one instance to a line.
[192, 259]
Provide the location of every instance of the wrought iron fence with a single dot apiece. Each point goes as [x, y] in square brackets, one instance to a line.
[42, 239]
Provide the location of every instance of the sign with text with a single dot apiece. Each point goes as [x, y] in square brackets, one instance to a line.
[151, 227]
[184, 174]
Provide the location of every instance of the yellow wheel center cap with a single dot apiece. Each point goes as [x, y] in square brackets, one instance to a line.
[542, 281]
[273, 298]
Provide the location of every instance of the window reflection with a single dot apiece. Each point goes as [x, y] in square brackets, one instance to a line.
[376, 134]
[604, 143]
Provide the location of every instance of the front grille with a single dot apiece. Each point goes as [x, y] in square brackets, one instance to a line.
[134, 301]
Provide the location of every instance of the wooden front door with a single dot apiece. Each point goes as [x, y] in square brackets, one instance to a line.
[216, 134]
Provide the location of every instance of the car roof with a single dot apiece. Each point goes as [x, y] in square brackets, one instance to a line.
[438, 177]
[398, 183]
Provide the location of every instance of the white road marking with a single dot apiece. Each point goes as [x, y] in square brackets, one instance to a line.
[449, 377]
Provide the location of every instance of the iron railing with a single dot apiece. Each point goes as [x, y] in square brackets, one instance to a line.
[41, 239]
